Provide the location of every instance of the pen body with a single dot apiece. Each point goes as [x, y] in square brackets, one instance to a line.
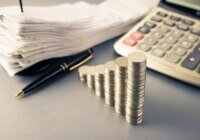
[57, 71]
[45, 78]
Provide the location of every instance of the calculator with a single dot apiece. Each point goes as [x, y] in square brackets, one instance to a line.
[171, 42]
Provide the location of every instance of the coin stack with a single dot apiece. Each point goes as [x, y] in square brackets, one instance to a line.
[110, 82]
[90, 77]
[83, 73]
[99, 80]
[135, 87]
[120, 84]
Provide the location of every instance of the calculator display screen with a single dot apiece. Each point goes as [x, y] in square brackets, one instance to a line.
[192, 4]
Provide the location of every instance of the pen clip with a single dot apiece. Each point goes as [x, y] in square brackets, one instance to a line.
[21, 5]
[83, 61]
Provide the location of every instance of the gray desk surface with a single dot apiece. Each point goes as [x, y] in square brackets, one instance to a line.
[68, 110]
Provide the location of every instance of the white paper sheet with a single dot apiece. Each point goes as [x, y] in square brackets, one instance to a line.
[41, 33]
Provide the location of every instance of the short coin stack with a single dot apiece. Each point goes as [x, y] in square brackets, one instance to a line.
[99, 80]
[135, 87]
[83, 73]
[110, 83]
[121, 82]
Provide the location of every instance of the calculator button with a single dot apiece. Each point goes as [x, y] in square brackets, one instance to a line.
[185, 44]
[197, 49]
[130, 42]
[137, 36]
[144, 30]
[156, 18]
[198, 69]
[180, 51]
[150, 24]
[191, 38]
[188, 22]
[183, 27]
[191, 61]
[165, 46]
[144, 47]
[195, 31]
[151, 41]
[162, 14]
[169, 23]
[175, 18]
[170, 39]
[158, 52]
[1, 17]
[177, 33]
[173, 58]
[158, 34]
[164, 29]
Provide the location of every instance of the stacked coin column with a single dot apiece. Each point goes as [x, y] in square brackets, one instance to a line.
[99, 80]
[90, 77]
[110, 83]
[83, 73]
[135, 87]
[120, 84]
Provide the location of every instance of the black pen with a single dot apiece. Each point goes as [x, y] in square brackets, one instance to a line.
[60, 69]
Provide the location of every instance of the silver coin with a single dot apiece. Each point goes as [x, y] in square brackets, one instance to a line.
[137, 58]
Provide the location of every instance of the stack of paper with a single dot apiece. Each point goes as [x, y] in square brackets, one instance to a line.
[46, 32]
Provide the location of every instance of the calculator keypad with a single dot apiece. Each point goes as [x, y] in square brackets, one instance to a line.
[171, 43]
[169, 37]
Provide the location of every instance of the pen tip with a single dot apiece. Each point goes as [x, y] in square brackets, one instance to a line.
[20, 94]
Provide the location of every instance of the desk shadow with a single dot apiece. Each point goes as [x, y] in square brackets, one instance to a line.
[172, 81]
[162, 116]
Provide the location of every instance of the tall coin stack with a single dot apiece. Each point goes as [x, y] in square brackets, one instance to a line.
[99, 80]
[120, 84]
[83, 73]
[135, 87]
[90, 77]
[110, 82]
